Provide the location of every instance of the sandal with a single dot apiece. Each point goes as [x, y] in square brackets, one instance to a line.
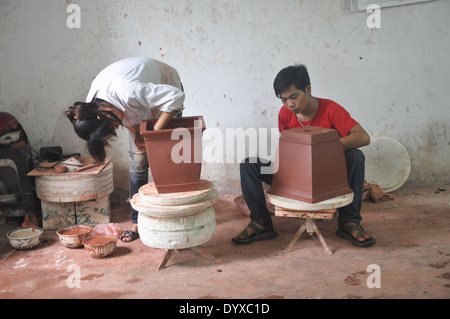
[346, 231]
[254, 232]
[129, 236]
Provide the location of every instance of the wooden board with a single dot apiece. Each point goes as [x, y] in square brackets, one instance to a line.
[321, 214]
[47, 168]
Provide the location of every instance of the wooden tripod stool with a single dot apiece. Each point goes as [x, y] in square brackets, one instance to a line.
[287, 207]
[169, 253]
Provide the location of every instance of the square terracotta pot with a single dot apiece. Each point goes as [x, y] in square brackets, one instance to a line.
[175, 153]
[311, 165]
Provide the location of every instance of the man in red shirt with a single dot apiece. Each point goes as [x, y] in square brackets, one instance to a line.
[301, 109]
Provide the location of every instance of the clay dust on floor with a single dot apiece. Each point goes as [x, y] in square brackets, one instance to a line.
[412, 254]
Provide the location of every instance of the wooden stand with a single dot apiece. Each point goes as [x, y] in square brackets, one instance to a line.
[169, 253]
[309, 224]
[286, 207]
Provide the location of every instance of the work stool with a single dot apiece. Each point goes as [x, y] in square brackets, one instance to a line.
[287, 207]
[176, 221]
[169, 253]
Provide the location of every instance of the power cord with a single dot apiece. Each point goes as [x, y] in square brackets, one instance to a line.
[38, 160]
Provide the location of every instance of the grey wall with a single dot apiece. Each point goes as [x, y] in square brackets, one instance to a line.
[394, 80]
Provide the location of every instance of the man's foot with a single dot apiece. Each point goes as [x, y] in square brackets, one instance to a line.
[356, 235]
[254, 232]
[130, 235]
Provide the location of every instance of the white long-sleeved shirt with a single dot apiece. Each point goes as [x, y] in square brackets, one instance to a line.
[141, 87]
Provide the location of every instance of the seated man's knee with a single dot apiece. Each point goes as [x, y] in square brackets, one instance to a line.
[354, 155]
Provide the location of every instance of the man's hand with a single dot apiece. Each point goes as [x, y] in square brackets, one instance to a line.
[140, 142]
[163, 120]
[161, 123]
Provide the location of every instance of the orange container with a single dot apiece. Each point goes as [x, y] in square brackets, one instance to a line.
[175, 153]
[311, 165]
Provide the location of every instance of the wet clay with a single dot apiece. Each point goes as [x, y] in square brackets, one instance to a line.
[175, 153]
[75, 230]
[100, 240]
[311, 165]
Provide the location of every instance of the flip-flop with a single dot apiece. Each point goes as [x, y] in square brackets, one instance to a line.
[346, 231]
[129, 235]
[258, 234]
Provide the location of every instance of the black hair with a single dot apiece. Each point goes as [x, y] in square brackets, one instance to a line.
[93, 125]
[295, 74]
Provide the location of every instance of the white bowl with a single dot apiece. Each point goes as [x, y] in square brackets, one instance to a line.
[25, 237]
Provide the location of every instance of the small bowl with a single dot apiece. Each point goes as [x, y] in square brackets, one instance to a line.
[73, 236]
[25, 237]
[100, 246]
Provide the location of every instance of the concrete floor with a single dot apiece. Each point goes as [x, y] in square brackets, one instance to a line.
[412, 251]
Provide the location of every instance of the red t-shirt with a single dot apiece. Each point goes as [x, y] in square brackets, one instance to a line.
[329, 115]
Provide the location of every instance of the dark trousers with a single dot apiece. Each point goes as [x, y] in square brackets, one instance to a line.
[254, 172]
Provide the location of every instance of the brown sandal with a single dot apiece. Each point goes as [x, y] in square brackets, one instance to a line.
[346, 231]
[254, 232]
[129, 236]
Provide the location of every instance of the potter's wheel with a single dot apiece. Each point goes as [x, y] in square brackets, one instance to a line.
[387, 163]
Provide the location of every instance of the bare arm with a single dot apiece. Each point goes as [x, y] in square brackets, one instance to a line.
[161, 123]
[357, 137]
[163, 120]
